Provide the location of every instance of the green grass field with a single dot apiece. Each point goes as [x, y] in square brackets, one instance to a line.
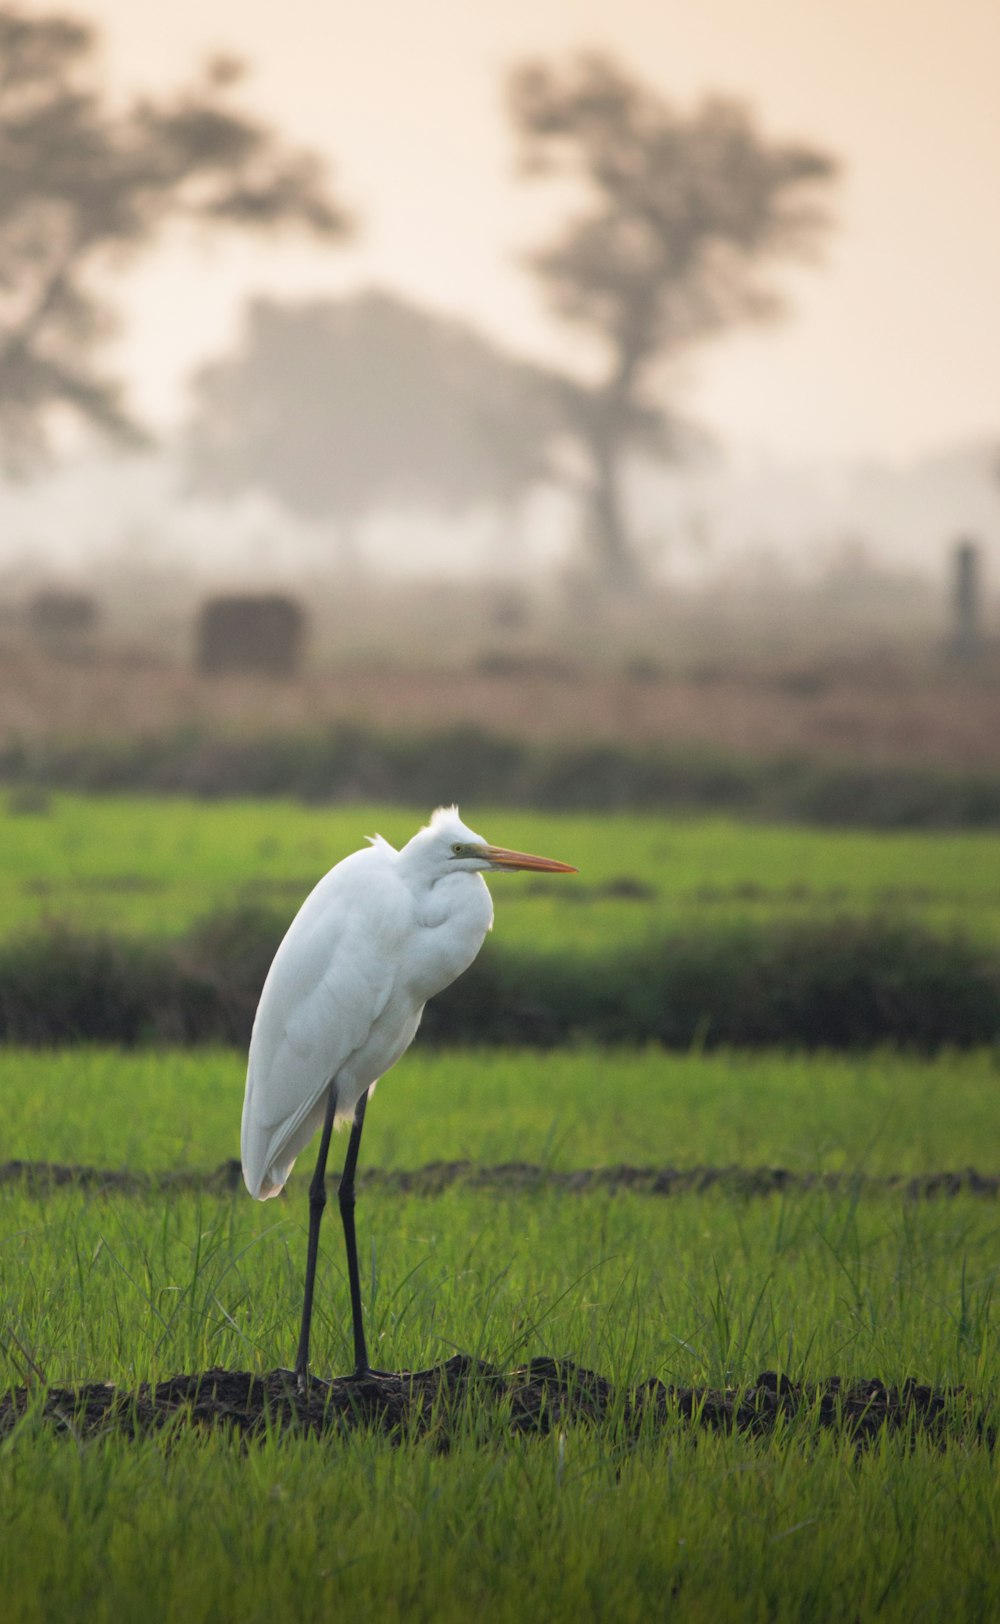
[77, 1253]
[574, 1526]
[589, 1522]
[587, 1107]
[156, 865]
[696, 1288]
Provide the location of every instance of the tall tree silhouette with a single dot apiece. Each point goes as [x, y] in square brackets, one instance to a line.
[83, 181]
[680, 216]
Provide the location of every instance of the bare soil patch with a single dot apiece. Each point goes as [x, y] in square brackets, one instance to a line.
[535, 1398]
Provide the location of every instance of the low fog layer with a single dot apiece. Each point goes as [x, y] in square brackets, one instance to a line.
[693, 524]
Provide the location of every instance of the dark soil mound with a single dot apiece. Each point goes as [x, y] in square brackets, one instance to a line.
[534, 1398]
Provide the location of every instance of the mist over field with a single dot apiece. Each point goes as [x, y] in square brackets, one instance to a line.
[278, 366]
[742, 520]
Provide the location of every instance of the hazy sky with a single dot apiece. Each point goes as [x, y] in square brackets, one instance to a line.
[893, 344]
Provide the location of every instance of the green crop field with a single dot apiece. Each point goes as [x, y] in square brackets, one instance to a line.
[567, 1108]
[590, 1522]
[156, 865]
[839, 1272]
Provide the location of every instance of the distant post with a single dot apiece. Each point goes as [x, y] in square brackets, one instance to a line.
[966, 637]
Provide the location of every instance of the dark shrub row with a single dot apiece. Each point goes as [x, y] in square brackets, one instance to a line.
[466, 764]
[849, 984]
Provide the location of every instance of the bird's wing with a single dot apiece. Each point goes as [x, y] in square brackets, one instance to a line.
[330, 981]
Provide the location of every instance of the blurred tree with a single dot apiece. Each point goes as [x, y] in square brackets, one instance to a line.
[82, 182]
[342, 407]
[681, 213]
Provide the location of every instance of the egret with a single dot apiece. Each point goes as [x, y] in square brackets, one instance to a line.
[381, 933]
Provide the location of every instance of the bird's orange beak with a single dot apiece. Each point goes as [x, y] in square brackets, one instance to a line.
[502, 858]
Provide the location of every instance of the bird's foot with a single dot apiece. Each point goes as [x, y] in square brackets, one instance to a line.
[364, 1373]
[405, 1376]
[301, 1380]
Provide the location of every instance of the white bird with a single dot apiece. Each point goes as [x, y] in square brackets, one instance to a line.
[381, 933]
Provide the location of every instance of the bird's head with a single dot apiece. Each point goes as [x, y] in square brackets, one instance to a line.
[451, 846]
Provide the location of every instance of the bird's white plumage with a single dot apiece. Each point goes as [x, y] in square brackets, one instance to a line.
[381, 933]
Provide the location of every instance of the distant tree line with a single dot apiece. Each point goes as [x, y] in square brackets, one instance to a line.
[339, 407]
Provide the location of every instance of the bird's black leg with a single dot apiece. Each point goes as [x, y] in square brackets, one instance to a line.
[346, 1197]
[317, 1201]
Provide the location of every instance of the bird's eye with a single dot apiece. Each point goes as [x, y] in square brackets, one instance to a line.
[457, 849]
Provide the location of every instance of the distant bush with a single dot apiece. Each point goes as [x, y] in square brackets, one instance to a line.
[846, 985]
[345, 764]
[57, 986]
